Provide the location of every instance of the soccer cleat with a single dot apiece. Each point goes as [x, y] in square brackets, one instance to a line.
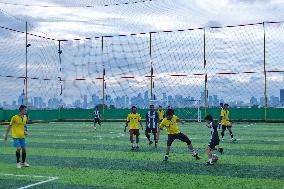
[137, 148]
[156, 145]
[221, 150]
[209, 163]
[25, 164]
[19, 165]
[150, 142]
[233, 140]
[222, 140]
[166, 158]
[132, 148]
[196, 156]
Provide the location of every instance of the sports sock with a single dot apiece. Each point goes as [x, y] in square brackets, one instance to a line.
[18, 156]
[24, 155]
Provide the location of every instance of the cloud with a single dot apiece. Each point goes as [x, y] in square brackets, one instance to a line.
[231, 49]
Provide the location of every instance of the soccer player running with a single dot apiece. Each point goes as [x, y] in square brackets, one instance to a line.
[220, 118]
[133, 118]
[161, 113]
[97, 117]
[225, 122]
[19, 133]
[215, 140]
[170, 123]
[152, 121]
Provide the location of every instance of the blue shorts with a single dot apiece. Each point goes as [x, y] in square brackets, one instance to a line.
[19, 142]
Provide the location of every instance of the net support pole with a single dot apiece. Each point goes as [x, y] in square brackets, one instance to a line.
[264, 71]
[205, 79]
[26, 67]
[103, 89]
[60, 77]
[151, 76]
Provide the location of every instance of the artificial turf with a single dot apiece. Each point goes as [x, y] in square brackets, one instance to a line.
[82, 157]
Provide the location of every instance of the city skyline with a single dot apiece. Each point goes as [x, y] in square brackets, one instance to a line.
[143, 101]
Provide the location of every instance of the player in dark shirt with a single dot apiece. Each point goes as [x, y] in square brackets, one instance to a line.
[215, 140]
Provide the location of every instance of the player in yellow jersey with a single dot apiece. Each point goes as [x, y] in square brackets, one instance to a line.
[133, 119]
[219, 120]
[161, 113]
[225, 122]
[170, 123]
[19, 133]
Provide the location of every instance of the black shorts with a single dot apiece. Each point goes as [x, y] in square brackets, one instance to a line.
[97, 120]
[226, 127]
[213, 143]
[151, 130]
[182, 137]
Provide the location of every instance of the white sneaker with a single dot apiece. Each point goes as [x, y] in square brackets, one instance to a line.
[25, 164]
[222, 140]
[19, 165]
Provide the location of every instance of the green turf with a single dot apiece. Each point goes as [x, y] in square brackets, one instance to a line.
[84, 158]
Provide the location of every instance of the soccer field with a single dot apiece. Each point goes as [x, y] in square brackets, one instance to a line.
[73, 155]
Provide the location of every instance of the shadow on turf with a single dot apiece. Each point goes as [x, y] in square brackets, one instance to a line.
[145, 148]
[190, 167]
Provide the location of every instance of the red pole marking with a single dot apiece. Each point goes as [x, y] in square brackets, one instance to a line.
[275, 71]
[99, 78]
[248, 72]
[34, 78]
[127, 77]
[80, 79]
[77, 39]
[149, 76]
[226, 73]
[178, 75]
[48, 79]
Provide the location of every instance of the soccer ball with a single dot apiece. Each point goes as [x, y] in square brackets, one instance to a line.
[214, 158]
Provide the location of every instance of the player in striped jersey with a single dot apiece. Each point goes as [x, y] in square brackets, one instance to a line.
[152, 121]
[97, 117]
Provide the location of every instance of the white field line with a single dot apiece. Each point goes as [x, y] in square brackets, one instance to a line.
[49, 179]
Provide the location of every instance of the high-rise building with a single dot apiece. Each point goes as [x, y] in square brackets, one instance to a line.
[282, 96]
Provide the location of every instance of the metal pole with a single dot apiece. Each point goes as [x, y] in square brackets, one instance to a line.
[205, 80]
[152, 71]
[264, 69]
[60, 79]
[26, 77]
[103, 97]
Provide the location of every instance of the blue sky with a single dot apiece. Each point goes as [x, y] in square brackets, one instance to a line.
[129, 56]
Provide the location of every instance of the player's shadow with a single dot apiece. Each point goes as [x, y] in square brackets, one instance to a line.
[190, 167]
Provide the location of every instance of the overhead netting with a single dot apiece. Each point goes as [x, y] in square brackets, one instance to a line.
[185, 69]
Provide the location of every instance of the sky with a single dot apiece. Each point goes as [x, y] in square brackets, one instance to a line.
[231, 50]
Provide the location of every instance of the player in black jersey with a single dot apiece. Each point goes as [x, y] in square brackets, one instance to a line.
[215, 140]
